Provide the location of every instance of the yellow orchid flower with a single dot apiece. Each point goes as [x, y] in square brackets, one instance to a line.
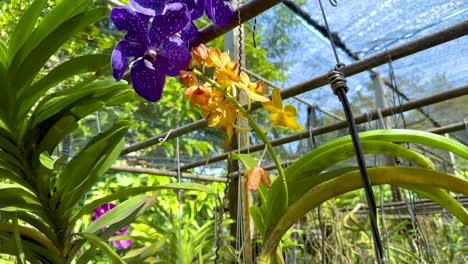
[226, 71]
[223, 115]
[279, 116]
[253, 90]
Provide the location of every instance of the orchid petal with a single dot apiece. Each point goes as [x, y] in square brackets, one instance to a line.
[136, 24]
[147, 80]
[174, 18]
[174, 56]
[196, 11]
[290, 110]
[148, 7]
[220, 12]
[189, 31]
[120, 55]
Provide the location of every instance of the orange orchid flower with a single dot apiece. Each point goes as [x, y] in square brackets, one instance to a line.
[279, 116]
[188, 78]
[199, 94]
[200, 57]
[256, 175]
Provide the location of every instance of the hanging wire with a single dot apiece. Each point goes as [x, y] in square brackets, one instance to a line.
[219, 242]
[330, 37]
[98, 123]
[409, 202]
[333, 2]
[239, 21]
[179, 198]
[466, 125]
[384, 125]
[323, 246]
[396, 89]
[338, 83]
[254, 32]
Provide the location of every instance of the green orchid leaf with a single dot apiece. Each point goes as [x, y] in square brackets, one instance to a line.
[89, 165]
[70, 68]
[57, 132]
[22, 74]
[257, 216]
[11, 160]
[99, 90]
[8, 144]
[19, 245]
[103, 246]
[12, 195]
[32, 251]
[139, 255]
[46, 160]
[118, 213]
[246, 159]
[127, 192]
[31, 234]
[133, 210]
[35, 221]
[442, 198]
[326, 156]
[25, 26]
[11, 175]
[4, 61]
[58, 17]
[398, 176]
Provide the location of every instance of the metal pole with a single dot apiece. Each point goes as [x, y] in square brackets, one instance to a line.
[373, 115]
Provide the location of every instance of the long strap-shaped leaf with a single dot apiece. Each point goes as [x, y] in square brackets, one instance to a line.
[325, 157]
[350, 181]
[75, 66]
[127, 192]
[33, 234]
[88, 165]
[21, 74]
[388, 135]
[25, 27]
[103, 246]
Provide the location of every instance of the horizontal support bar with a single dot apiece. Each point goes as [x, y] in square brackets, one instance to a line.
[373, 115]
[425, 42]
[166, 173]
[246, 12]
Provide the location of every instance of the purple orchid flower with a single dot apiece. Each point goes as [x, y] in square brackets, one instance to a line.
[98, 212]
[220, 12]
[156, 51]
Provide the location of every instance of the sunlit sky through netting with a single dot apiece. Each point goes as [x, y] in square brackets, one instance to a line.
[369, 27]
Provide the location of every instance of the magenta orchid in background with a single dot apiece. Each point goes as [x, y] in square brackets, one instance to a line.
[155, 51]
[98, 212]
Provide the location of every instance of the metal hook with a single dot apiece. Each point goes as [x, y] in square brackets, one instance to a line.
[161, 140]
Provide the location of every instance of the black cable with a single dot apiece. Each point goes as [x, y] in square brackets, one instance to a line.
[341, 93]
[338, 83]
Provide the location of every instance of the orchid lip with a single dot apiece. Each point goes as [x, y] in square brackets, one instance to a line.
[151, 54]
